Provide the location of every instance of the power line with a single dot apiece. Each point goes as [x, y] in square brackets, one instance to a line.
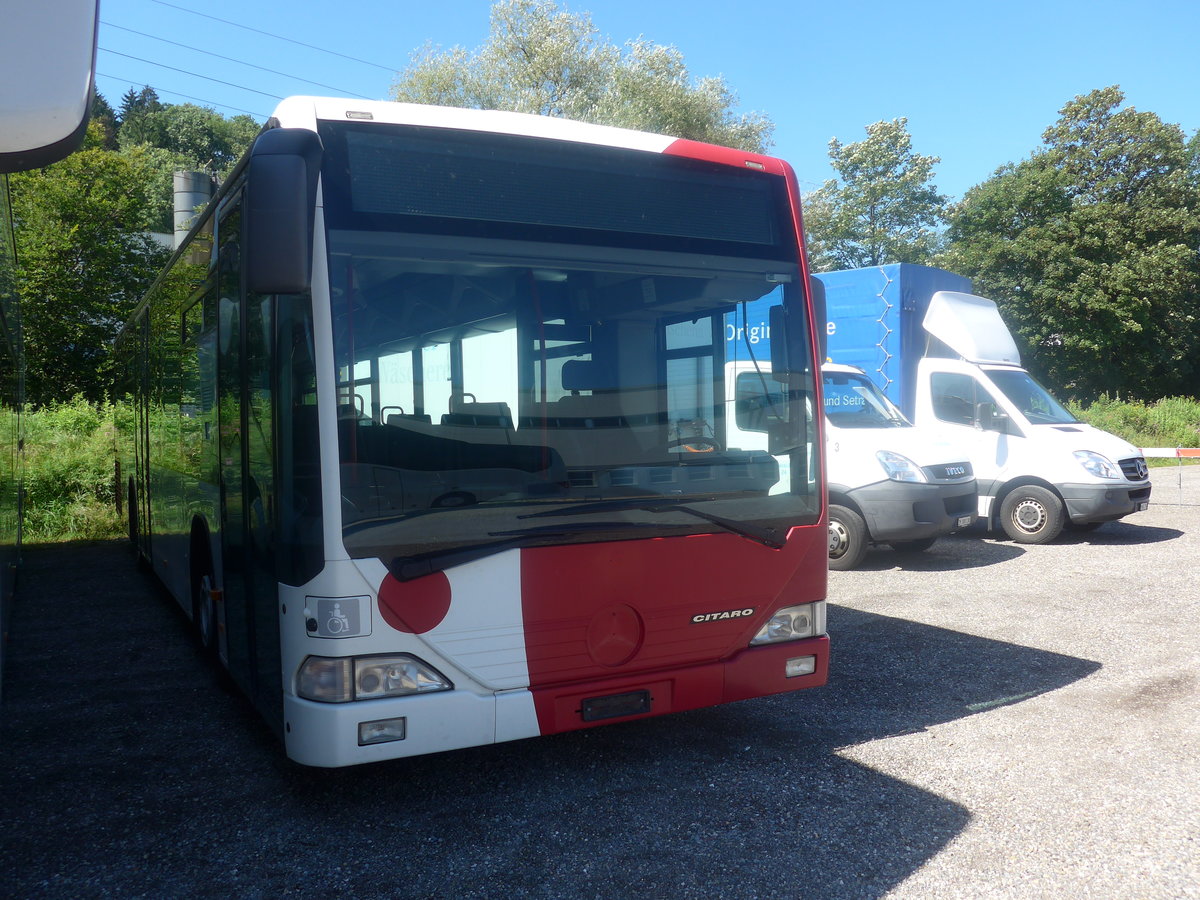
[157, 90]
[232, 60]
[193, 74]
[277, 36]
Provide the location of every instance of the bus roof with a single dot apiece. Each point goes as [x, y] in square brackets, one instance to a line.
[305, 111]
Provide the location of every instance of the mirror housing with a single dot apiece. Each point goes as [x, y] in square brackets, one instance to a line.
[780, 339]
[991, 418]
[281, 198]
[760, 412]
[816, 290]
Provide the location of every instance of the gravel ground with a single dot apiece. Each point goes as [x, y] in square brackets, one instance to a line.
[1001, 721]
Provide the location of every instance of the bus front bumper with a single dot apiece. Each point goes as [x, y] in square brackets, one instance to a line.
[328, 734]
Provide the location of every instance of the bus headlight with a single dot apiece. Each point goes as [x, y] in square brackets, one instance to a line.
[900, 468]
[340, 680]
[793, 623]
[394, 676]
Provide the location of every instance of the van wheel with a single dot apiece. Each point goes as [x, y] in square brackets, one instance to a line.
[847, 538]
[1032, 515]
[918, 546]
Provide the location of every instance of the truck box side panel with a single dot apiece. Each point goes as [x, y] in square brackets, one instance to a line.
[876, 314]
[864, 309]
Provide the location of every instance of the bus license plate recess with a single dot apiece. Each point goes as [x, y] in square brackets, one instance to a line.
[612, 706]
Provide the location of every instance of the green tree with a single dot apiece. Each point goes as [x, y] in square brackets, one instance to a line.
[84, 259]
[882, 207]
[175, 137]
[543, 60]
[104, 114]
[1089, 246]
[138, 124]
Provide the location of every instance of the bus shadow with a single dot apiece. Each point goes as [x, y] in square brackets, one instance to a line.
[755, 793]
[751, 799]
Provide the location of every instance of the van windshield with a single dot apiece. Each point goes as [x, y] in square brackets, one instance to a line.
[853, 401]
[1033, 400]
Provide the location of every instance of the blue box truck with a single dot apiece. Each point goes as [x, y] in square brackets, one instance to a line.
[945, 357]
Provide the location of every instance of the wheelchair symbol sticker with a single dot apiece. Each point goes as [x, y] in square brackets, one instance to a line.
[337, 617]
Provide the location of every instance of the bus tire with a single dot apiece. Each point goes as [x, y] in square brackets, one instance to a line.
[204, 607]
[847, 538]
[1032, 515]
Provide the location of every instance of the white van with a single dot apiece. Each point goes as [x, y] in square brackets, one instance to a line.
[889, 481]
[1039, 468]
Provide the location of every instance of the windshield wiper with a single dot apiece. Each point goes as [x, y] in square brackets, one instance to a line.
[763, 535]
[613, 505]
[407, 568]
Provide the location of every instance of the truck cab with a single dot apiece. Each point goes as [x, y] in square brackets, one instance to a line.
[1039, 468]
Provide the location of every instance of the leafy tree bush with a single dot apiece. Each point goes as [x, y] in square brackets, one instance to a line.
[882, 207]
[1090, 248]
[84, 260]
[85, 255]
[543, 60]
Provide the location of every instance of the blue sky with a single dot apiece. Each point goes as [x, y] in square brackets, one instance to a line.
[978, 81]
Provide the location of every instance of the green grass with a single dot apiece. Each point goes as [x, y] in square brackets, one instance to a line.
[69, 474]
[1171, 422]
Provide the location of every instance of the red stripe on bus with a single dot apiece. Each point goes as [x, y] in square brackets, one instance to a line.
[726, 156]
[613, 612]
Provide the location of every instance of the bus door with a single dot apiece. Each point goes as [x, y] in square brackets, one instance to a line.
[246, 441]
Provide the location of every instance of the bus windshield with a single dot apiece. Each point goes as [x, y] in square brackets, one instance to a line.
[519, 378]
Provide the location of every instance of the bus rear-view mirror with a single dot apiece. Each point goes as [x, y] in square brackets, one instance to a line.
[280, 203]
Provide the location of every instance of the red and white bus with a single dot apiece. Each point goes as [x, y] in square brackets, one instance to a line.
[429, 434]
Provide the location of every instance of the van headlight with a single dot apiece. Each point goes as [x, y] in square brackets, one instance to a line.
[793, 623]
[1100, 466]
[342, 679]
[900, 468]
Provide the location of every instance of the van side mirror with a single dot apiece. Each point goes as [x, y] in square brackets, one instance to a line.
[754, 411]
[992, 418]
[280, 209]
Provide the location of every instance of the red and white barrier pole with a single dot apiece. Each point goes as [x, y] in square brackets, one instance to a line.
[1180, 453]
[1172, 452]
